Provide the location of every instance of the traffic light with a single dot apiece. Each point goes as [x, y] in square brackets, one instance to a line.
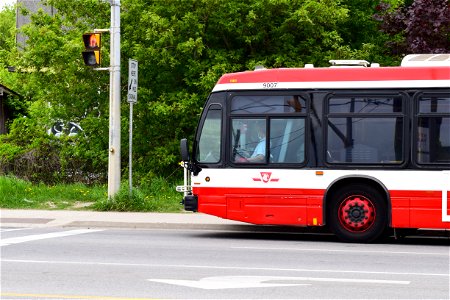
[92, 44]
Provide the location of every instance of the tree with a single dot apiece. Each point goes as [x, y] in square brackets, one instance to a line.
[7, 38]
[12, 107]
[420, 27]
[7, 44]
[183, 47]
[51, 76]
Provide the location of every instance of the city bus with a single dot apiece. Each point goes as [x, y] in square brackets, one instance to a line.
[356, 147]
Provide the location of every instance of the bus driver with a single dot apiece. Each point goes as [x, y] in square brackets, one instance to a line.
[259, 153]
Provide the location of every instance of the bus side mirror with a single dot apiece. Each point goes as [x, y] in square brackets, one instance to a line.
[184, 150]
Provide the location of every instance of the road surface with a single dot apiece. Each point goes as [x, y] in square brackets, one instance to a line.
[83, 263]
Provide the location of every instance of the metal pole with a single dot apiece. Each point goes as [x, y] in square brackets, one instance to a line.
[114, 102]
[130, 159]
[132, 98]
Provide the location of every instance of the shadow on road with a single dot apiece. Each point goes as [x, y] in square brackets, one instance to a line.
[282, 233]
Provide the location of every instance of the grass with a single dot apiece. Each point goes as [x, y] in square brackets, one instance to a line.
[158, 196]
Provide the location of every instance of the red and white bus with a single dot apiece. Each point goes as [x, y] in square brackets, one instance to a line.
[360, 149]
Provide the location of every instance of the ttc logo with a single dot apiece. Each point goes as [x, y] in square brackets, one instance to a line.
[266, 177]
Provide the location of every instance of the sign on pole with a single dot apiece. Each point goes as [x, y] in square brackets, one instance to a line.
[132, 98]
[132, 80]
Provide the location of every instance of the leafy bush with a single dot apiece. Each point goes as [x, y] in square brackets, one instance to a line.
[28, 152]
[422, 26]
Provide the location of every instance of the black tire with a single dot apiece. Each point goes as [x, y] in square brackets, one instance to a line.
[358, 213]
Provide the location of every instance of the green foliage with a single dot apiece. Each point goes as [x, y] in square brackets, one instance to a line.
[53, 56]
[7, 45]
[8, 154]
[29, 152]
[57, 87]
[7, 28]
[183, 47]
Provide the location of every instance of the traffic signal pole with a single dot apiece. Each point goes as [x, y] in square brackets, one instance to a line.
[114, 102]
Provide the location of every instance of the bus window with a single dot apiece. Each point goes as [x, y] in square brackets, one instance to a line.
[283, 136]
[249, 140]
[250, 104]
[434, 105]
[287, 140]
[362, 140]
[433, 130]
[369, 105]
[208, 150]
[365, 130]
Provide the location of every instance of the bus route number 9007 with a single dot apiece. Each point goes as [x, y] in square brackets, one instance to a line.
[270, 85]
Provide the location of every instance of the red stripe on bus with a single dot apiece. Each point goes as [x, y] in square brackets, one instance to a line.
[338, 74]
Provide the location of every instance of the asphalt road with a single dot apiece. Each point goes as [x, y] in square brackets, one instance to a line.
[80, 263]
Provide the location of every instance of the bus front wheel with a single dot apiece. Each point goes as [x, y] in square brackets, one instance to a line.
[358, 214]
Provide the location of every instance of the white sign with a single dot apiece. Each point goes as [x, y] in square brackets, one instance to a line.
[132, 80]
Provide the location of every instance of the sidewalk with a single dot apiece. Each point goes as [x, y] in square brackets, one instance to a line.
[94, 219]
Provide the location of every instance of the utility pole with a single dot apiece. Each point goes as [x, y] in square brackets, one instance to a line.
[114, 102]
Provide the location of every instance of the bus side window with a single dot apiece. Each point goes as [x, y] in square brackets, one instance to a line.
[365, 130]
[287, 138]
[433, 129]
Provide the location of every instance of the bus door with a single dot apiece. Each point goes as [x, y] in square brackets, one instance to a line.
[267, 143]
[433, 138]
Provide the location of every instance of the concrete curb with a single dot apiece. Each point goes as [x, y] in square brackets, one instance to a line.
[131, 220]
[93, 219]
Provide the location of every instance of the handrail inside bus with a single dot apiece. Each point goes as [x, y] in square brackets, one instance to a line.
[445, 216]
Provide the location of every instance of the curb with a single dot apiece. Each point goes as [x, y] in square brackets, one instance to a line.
[181, 226]
[48, 223]
[94, 219]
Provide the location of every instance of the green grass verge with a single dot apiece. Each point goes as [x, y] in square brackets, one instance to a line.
[158, 196]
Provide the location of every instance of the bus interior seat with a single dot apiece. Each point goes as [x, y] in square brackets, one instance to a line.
[359, 153]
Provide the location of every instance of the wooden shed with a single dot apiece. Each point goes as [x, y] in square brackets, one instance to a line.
[6, 112]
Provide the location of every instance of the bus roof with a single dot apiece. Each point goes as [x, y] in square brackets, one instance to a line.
[337, 78]
[416, 60]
